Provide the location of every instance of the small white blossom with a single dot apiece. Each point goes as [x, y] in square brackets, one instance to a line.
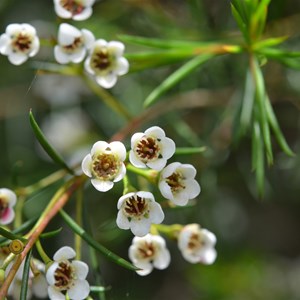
[19, 42]
[151, 149]
[197, 245]
[137, 211]
[148, 252]
[105, 164]
[177, 183]
[8, 200]
[66, 276]
[77, 10]
[106, 62]
[72, 44]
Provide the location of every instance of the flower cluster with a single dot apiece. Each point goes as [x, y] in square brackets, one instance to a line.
[138, 210]
[104, 60]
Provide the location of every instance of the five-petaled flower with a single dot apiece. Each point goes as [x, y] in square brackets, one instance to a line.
[137, 211]
[66, 276]
[177, 183]
[148, 252]
[151, 149]
[106, 62]
[197, 244]
[105, 164]
[8, 200]
[19, 42]
[77, 10]
[72, 44]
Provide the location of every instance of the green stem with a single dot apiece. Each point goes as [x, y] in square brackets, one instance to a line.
[150, 175]
[171, 231]
[79, 205]
[46, 259]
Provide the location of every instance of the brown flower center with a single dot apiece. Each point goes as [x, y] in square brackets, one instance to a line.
[101, 59]
[73, 6]
[106, 166]
[147, 250]
[78, 42]
[136, 206]
[22, 42]
[3, 207]
[175, 182]
[147, 149]
[64, 276]
[195, 242]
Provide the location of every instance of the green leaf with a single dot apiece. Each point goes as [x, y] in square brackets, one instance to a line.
[176, 77]
[160, 43]
[276, 129]
[69, 70]
[241, 24]
[51, 234]
[14, 233]
[45, 144]
[269, 42]
[258, 158]
[25, 277]
[85, 236]
[261, 115]
[188, 150]
[11, 236]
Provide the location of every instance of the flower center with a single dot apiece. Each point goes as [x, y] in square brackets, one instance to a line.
[147, 250]
[78, 42]
[3, 207]
[195, 242]
[22, 42]
[105, 166]
[64, 276]
[73, 6]
[136, 207]
[147, 149]
[175, 182]
[101, 59]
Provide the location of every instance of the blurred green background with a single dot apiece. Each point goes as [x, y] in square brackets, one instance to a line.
[258, 239]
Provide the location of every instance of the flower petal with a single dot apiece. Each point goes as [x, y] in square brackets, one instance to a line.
[80, 290]
[50, 273]
[135, 160]
[168, 148]
[119, 149]
[64, 253]
[165, 190]
[85, 14]
[121, 174]
[86, 165]
[107, 81]
[7, 216]
[116, 48]
[122, 221]
[136, 138]
[67, 34]
[157, 214]
[9, 195]
[99, 147]
[17, 58]
[81, 269]
[55, 294]
[162, 260]
[60, 56]
[209, 256]
[158, 164]
[140, 227]
[89, 38]
[156, 132]
[102, 186]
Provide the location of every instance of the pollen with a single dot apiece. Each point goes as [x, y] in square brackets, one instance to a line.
[135, 207]
[101, 59]
[63, 276]
[3, 206]
[22, 42]
[148, 149]
[147, 250]
[72, 6]
[78, 43]
[175, 182]
[105, 166]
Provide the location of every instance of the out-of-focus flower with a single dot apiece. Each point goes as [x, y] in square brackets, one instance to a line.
[105, 164]
[66, 276]
[148, 252]
[151, 149]
[19, 42]
[8, 200]
[197, 244]
[37, 284]
[72, 44]
[137, 211]
[106, 62]
[77, 10]
[177, 183]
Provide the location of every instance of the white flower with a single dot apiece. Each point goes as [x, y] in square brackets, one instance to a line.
[106, 62]
[19, 42]
[151, 149]
[197, 245]
[105, 164]
[177, 183]
[72, 44]
[137, 211]
[148, 252]
[8, 200]
[65, 276]
[77, 10]
[37, 284]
